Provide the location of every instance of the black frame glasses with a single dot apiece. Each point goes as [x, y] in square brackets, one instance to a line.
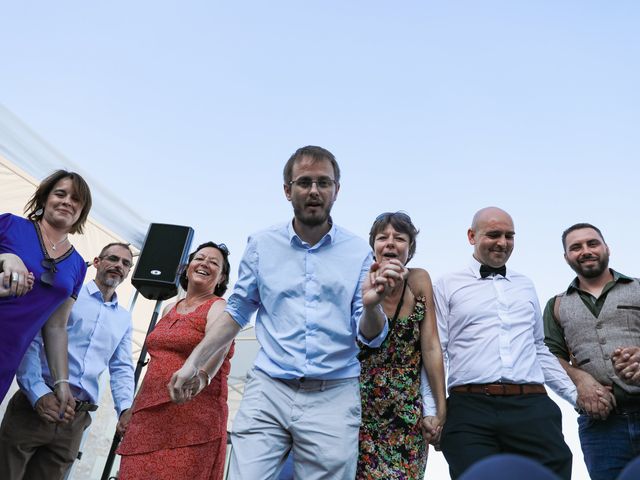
[49, 275]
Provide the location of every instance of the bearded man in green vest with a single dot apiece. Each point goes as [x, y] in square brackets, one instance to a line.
[588, 327]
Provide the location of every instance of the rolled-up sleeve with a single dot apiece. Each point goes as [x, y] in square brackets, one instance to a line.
[357, 310]
[245, 299]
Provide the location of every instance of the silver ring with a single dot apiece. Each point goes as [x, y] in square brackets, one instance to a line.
[15, 277]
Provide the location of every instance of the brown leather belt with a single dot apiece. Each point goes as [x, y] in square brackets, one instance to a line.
[84, 406]
[500, 389]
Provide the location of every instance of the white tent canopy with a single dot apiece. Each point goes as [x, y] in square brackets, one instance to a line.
[26, 150]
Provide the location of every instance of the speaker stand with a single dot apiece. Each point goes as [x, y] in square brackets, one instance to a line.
[108, 466]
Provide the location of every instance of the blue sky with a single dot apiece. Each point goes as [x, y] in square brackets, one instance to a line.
[187, 111]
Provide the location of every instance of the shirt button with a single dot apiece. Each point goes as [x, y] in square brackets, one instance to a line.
[603, 341]
[598, 325]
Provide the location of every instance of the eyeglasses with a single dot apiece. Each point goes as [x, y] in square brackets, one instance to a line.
[115, 259]
[49, 275]
[305, 183]
[403, 216]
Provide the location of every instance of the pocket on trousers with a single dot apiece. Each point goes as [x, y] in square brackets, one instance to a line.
[356, 409]
[251, 404]
[585, 422]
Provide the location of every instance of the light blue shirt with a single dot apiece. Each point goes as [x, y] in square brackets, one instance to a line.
[99, 337]
[308, 299]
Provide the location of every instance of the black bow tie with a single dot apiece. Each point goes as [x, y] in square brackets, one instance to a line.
[486, 270]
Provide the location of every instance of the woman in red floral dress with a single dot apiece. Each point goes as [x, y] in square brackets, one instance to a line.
[165, 440]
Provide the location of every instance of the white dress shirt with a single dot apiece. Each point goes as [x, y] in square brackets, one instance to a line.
[491, 331]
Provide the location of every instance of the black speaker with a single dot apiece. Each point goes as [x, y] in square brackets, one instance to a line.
[165, 251]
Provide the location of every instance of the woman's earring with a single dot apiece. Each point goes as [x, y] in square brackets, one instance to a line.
[39, 212]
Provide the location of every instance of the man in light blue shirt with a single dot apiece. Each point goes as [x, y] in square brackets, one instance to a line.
[315, 290]
[35, 443]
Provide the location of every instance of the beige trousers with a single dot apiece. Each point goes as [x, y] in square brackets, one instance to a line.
[318, 419]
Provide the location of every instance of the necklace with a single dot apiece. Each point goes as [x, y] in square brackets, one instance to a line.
[56, 244]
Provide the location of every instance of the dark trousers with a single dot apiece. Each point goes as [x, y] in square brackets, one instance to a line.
[479, 426]
[34, 449]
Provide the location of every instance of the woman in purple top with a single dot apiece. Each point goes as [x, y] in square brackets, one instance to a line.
[40, 277]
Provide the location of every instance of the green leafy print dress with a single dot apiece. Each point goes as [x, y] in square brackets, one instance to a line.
[391, 443]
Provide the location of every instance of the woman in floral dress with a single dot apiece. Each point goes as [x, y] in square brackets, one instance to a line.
[394, 435]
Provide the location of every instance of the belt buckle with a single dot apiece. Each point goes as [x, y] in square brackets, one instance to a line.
[84, 406]
[492, 389]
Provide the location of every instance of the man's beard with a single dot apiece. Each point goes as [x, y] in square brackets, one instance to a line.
[111, 282]
[311, 220]
[592, 270]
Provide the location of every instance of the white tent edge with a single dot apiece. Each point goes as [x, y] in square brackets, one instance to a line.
[28, 151]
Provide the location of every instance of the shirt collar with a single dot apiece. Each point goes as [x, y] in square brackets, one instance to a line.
[94, 291]
[328, 238]
[474, 265]
[617, 277]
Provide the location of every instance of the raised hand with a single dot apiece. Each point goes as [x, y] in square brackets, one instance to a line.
[382, 279]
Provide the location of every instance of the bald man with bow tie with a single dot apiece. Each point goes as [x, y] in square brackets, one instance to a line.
[491, 330]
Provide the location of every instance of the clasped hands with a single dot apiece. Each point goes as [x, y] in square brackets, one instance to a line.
[383, 277]
[15, 279]
[49, 408]
[597, 400]
[186, 383]
[594, 399]
[626, 363]
[431, 427]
